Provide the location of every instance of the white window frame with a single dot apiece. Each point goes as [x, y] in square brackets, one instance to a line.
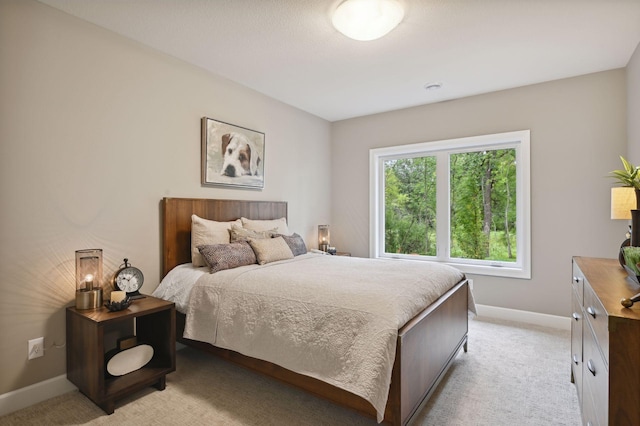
[519, 140]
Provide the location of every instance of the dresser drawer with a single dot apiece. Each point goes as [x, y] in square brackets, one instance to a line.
[597, 318]
[576, 343]
[595, 378]
[577, 281]
[589, 410]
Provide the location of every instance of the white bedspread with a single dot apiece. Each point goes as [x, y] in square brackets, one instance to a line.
[345, 335]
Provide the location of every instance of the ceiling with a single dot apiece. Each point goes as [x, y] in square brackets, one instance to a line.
[288, 49]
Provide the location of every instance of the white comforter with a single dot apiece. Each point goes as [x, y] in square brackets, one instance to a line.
[329, 317]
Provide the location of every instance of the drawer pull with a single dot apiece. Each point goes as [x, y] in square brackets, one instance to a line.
[575, 359]
[576, 316]
[591, 367]
[576, 279]
[627, 303]
[591, 311]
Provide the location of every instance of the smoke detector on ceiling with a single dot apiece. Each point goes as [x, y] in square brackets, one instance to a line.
[432, 86]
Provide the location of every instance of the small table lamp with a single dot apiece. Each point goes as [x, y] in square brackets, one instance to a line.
[323, 237]
[623, 200]
[88, 279]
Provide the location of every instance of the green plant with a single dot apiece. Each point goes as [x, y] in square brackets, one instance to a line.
[632, 257]
[629, 176]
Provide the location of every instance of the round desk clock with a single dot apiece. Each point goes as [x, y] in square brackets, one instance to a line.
[129, 279]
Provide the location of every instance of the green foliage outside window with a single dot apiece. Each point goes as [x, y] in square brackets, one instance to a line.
[482, 205]
[410, 211]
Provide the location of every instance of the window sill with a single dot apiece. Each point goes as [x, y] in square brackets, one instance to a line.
[489, 270]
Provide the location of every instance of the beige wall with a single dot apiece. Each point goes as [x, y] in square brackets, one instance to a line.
[95, 130]
[578, 130]
[633, 107]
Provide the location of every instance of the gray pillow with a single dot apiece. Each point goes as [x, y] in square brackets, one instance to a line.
[295, 243]
[227, 256]
[238, 233]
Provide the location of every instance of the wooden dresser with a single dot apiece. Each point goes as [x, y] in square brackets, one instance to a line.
[605, 343]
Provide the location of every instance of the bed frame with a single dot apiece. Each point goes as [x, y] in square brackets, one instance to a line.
[426, 347]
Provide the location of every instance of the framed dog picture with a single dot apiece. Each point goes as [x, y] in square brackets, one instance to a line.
[232, 156]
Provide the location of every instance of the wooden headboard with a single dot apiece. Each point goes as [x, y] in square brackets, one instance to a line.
[176, 221]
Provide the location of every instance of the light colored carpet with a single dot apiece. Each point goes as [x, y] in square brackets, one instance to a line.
[513, 374]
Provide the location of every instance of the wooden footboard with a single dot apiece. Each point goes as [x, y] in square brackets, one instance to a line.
[426, 347]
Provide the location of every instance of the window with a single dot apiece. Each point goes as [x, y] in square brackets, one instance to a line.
[464, 202]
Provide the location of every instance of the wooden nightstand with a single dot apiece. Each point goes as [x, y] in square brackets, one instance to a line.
[92, 333]
[342, 253]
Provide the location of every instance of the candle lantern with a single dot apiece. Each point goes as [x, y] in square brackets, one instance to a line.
[88, 279]
[323, 237]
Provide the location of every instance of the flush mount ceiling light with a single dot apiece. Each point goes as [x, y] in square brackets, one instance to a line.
[366, 20]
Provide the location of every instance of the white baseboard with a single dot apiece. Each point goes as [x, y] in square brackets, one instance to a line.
[41, 391]
[545, 320]
[29, 395]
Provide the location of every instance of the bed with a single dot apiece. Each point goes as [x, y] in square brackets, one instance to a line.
[424, 349]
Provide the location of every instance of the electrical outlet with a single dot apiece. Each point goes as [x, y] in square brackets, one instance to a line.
[36, 348]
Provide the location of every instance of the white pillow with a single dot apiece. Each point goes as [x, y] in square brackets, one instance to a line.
[205, 232]
[279, 225]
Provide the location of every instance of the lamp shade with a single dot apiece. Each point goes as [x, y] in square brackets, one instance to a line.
[623, 200]
[323, 237]
[366, 20]
[88, 279]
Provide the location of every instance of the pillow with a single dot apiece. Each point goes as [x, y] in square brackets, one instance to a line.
[238, 233]
[204, 231]
[295, 243]
[227, 256]
[270, 250]
[280, 225]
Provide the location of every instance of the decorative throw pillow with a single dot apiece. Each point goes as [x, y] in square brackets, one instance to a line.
[238, 233]
[204, 231]
[295, 243]
[227, 256]
[270, 250]
[280, 225]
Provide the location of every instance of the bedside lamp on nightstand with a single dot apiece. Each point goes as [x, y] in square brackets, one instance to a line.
[323, 237]
[88, 279]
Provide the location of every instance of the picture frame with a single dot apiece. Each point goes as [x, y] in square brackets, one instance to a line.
[232, 156]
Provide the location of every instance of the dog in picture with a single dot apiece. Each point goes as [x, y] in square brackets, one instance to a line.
[240, 156]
